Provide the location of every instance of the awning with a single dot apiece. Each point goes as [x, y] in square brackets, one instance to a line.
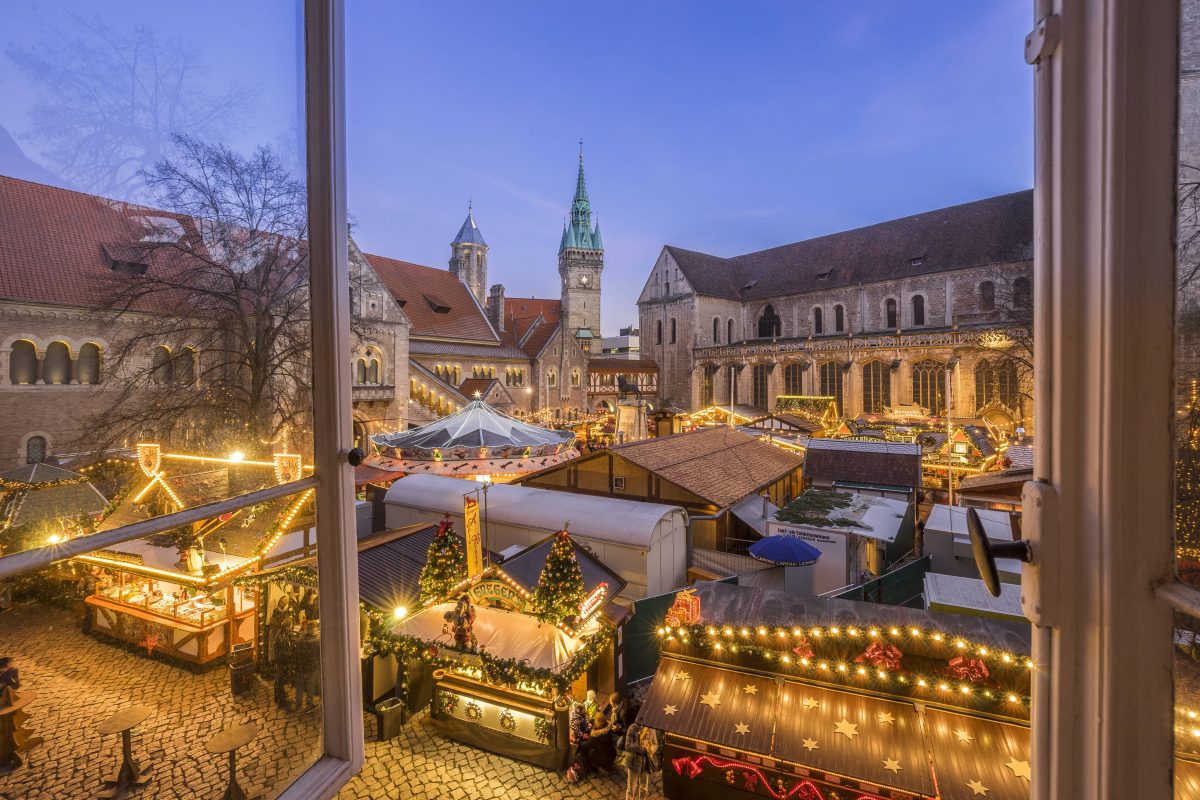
[755, 510]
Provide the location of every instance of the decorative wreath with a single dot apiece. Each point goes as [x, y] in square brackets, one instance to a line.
[448, 702]
[544, 729]
[474, 712]
[507, 721]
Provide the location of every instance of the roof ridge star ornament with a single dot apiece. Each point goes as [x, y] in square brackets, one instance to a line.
[670, 710]
[712, 700]
[1020, 768]
[750, 688]
[846, 728]
[892, 765]
[741, 728]
[978, 788]
[810, 744]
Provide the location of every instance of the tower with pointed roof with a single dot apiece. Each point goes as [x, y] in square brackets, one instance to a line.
[468, 257]
[580, 262]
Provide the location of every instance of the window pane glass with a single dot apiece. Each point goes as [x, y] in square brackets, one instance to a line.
[155, 357]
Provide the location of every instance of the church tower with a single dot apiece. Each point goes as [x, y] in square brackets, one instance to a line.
[468, 257]
[580, 262]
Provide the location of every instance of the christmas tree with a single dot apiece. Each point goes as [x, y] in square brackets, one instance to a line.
[445, 564]
[560, 587]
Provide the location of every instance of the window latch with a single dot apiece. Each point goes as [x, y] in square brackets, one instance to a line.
[1043, 40]
[355, 456]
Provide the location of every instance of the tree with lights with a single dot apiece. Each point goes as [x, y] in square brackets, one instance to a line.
[445, 564]
[560, 586]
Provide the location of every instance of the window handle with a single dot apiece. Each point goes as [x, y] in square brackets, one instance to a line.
[986, 552]
[355, 456]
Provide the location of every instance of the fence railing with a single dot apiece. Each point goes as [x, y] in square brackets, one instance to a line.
[903, 586]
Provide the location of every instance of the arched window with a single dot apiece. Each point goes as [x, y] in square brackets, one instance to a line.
[716, 331]
[56, 365]
[35, 449]
[373, 372]
[877, 386]
[1022, 293]
[551, 379]
[576, 379]
[729, 332]
[793, 379]
[832, 380]
[658, 332]
[929, 386]
[769, 324]
[758, 386]
[160, 365]
[707, 387]
[918, 305]
[889, 314]
[818, 322]
[457, 374]
[839, 319]
[23, 363]
[987, 296]
[672, 330]
[87, 366]
[360, 371]
[995, 383]
[185, 367]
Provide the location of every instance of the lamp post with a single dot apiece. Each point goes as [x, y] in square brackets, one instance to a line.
[950, 365]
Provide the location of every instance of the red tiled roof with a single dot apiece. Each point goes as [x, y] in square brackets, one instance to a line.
[528, 308]
[470, 386]
[419, 289]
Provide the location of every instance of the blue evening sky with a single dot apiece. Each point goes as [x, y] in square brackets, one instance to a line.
[725, 127]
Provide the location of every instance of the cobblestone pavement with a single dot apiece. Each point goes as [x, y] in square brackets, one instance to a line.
[79, 681]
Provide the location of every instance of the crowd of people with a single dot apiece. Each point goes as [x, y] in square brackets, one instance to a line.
[296, 651]
[609, 737]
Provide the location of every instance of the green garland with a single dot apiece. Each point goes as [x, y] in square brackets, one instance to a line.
[301, 576]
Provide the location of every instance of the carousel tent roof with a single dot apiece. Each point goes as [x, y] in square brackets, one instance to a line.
[34, 474]
[476, 425]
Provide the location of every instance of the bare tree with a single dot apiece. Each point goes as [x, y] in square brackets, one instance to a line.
[213, 293]
[110, 103]
[1006, 379]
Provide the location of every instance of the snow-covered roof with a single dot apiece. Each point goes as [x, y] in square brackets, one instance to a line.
[606, 519]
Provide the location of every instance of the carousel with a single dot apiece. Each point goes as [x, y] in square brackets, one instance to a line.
[477, 442]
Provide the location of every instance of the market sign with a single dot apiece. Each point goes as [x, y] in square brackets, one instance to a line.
[473, 536]
[497, 594]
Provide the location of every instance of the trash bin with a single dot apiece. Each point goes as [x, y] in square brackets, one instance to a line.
[241, 668]
[390, 715]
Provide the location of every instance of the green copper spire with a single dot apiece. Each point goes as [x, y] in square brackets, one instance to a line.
[579, 235]
[597, 243]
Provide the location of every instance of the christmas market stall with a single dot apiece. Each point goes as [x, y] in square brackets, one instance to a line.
[173, 593]
[476, 442]
[768, 694]
[495, 650]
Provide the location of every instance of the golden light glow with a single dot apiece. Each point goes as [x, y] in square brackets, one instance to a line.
[54, 538]
[237, 457]
[400, 612]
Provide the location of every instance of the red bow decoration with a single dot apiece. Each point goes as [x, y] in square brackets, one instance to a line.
[751, 781]
[882, 655]
[803, 649]
[970, 669]
[686, 764]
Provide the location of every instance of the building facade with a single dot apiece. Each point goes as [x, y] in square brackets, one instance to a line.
[580, 264]
[929, 311]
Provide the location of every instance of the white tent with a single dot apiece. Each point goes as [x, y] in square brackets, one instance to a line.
[644, 543]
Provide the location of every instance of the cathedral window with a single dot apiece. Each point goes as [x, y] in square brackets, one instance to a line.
[23, 363]
[729, 332]
[576, 379]
[373, 372]
[160, 365]
[929, 386]
[995, 382]
[759, 396]
[183, 366]
[672, 330]
[658, 332]
[832, 380]
[769, 323]
[918, 310]
[35, 449]
[877, 386]
[551, 379]
[793, 379]
[706, 387]
[716, 331]
[1022, 293]
[360, 371]
[987, 296]
[56, 365]
[818, 322]
[839, 318]
[87, 365]
[889, 314]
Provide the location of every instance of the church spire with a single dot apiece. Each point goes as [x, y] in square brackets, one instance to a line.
[581, 209]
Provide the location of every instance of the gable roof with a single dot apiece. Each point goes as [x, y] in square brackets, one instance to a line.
[531, 322]
[995, 230]
[470, 386]
[873, 463]
[721, 465]
[436, 302]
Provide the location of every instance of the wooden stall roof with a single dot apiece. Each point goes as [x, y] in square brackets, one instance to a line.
[1187, 779]
[970, 752]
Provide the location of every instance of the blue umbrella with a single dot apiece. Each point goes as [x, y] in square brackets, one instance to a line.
[788, 551]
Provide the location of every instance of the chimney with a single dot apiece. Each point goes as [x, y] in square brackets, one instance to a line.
[496, 307]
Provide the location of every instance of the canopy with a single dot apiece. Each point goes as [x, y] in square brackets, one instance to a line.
[478, 431]
[790, 551]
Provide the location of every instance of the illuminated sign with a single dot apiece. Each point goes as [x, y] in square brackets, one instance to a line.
[473, 537]
[498, 594]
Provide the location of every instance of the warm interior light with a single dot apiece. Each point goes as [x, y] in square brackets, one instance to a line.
[237, 455]
[400, 612]
[55, 538]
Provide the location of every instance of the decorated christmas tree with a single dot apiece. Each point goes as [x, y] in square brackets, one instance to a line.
[560, 587]
[445, 564]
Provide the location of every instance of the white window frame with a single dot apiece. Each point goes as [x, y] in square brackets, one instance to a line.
[1099, 512]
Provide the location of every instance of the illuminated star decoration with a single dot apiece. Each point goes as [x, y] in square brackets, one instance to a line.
[712, 700]
[978, 788]
[682, 676]
[963, 736]
[892, 765]
[741, 728]
[846, 728]
[670, 710]
[810, 702]
[1019, 768]
[750, 688]
[885, 718]
[477, 395]
[810, 744]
